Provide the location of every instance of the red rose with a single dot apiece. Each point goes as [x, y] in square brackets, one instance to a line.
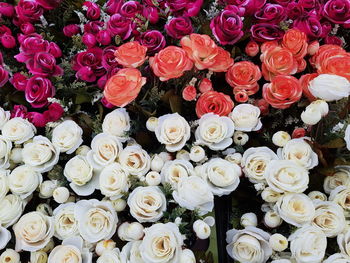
[213, 101]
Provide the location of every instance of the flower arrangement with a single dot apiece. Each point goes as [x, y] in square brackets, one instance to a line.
[174, 131]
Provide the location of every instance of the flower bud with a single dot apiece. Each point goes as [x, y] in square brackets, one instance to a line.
[46, 188]
[234, 158]
[201, 229]
[280, 138]
[240, 138]
[157, 163]
[183, 155]
[82, 150]
[61, 195]
[44, 209]
[249, 219]
[311, 115]
[104, 245]
[322, 106]
[16, 155]
[278, 242]
[152, 123]
[313, 47]
[10, 256]
[165, 156]
[317, 195]
[187, 256]
[205, 85]
[269, 195]
[130, 231]
[153, 178]
[197, 154]
[89, 40]
[38, 257]
[272, 219]
[8, 41]
[252, 48]
[103, 37]
[119, 204]
[189, 93]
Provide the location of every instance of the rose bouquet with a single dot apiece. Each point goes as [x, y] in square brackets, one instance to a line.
[174, 131]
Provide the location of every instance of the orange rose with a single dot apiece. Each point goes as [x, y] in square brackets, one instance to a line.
[222, 61]
[324, 52]
[301, 65]
[201, 49]
[296, 42]
[304, 82]
[282, 92]
[243, 76]
[338, 65]
[131, 54]
[213, 101]
[278, 61]
[267, 45]
[171, 62]
[252, 48]
[123, 87]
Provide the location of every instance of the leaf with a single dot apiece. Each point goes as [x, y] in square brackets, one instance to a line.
[82, 98]
[175, 103]
[336, 143]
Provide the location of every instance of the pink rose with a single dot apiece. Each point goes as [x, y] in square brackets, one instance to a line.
[86, 74]
[93, 11]
[250, 6]
[19, 81]
[337, 11]
[38, 119]
[266, 32]
[108, 58]
[333, 40]
[31, 45]
[113, 6]
[28, 10]
[54, 113]
[153, 40]
[4, 76]
[4, 30]
[130, 9]
[189, 93]
[19, 111]
[8, 41]
[49, 4]
[184, 7]
[37, 91]
[294, 11]
[271, 13]
[71, 30]
[103, 37]
[310, 25]
[88, 64]
[27, 28]
[119, 25]
[150, 13]
[44, 64]
[179, 27]
[89, 40]
[93, 27]
[54, 50]
[6, 9]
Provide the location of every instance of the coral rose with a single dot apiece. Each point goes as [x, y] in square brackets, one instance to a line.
[296, 42]
[304, 82]
[252, 48]
[123, 87]
[338, 65]
[169, 63]
[213, 101]
[324, 52]
[189, 93]
[282, 92]
[222, 61]
[131, 54]
[201, 49]
[243, 76]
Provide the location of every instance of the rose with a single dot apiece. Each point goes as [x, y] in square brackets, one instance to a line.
[28, 10]
[94, 27]
[179, 27]
[38, 89]
[131, 54]
[324, 53]
[162, 243]
[252, 48]
[7, 9]
[304, 81]
[282, 92]
[266, 32]
[130, 9]
[214, 131]
[89, 40]
[54, 112]
[8, 41]
[97, 220]
[33, 231]
[340, 177]
[310, 25]
[124, 86]
[151, 13]
[103, 37]
[187, 256]
[49, 4]
[111, 256]
[343, 241]
[30, 45]
[295, 209]
[4, 117]
[333, 40]
[174, 171]
[113, 181]
[153, 40]
[243, 75]
[5, 150]
[108, 58]
[188, 8]
[171, 62]
[341, 196]
[4, 30]
[335, 65]
[4, 185]
[299, 151]
[120, 25]
[10, 256]
[222, 176]
[337, 258]
[19, 111]
[215, 102]
[300, 242]
[4, 76]
[5, 237]
[113, 6]
[71, 30]
[27, 28]
[254, 162]
[66, 224]
[11, 209]
[147, 204]
[329, 87]
[173, 131]
[132, 252]
[18, 130]
[135, 160]
[337, 11]
[19, 81]
[248, 245]
[194, 193]
[246, 117]
[222, 61]
[286, 176]
[189, 93]
[67, 136]
[93, 11]
[44, 64]
[88, 64]
[117, 123]
[296, 42]
[271, 14]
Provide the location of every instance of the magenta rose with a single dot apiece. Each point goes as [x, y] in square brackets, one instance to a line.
[8, 41]
[1, 59]
[30, 45]
[153, 40]
[333, 40]
[37, 91]
[184, 7]
[130, 9]
[19, 81]
[54, 113]
[49, 4]
[27, 28]
[29, 10]
[266, 32]
[4, 76]
[108, 58]
[4, 30]
[283, 2]
[150, 13]
[337, 11]
[113, 6]
[54, 50]
[71, 30]
[38, 119]
[103, 37]
[88, 64]
[309, 4]
[227, 27]
[44, 64]
[294, 11]
[119, 25]
[310, 25]
[6, 9]
[179, 27]
[271, 13]
[89, 40]
[250, 6]
[93, 11]
[93, 27]
[19, 111]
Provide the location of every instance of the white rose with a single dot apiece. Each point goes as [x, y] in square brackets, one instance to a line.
[347, 137]
[135, 160]
[130, 231]
[79, 172]
[105, 148]
[329, 217]
[322, 106]
[311, 115]
[40, 154]
[5, 151]
[248, 245]
[71, 251]
[38, 257]
[280, 138]
[221, 175]
[269, 195]
[300, 151]
[341, 196]
[329, 87]
[341, 176]
[18, 130]
[82, 150]
[197, 154]
[246, 117]
[113, 181]
[174, 171]
[201, 229]
[162, 243]
[23, 180]
[11, 209]
[5, 237]
[119, 204]
[343, 241]
[47, 187]
[117, 123]
[4, 117]
[187, 256]
[254, 162]
[282, 261]
[65, 222]
[308, 244]
[194, 193]
[104, 245]
[33, 231]
[147, 204]
[234, 158]
[4, 184]
[132, 252]
[16, 155]
[173, 131]
[152, 123]
[214, 131]
[286, 176]
[10, 256]
[61, 194]
[111, 256]
[337, 258]
[249, 219]
[157, 163]
[240, 138]
[153, 178]
[44, 209]
[67, 136]
[97, 220]
[317, 195]
[272, 219]
[278, 242]
[295, 209]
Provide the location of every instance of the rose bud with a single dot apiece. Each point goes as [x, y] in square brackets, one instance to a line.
[89, 40]
[8, 41]
[103, 37]
[252, 48]
[189, 93]
[71, 30]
